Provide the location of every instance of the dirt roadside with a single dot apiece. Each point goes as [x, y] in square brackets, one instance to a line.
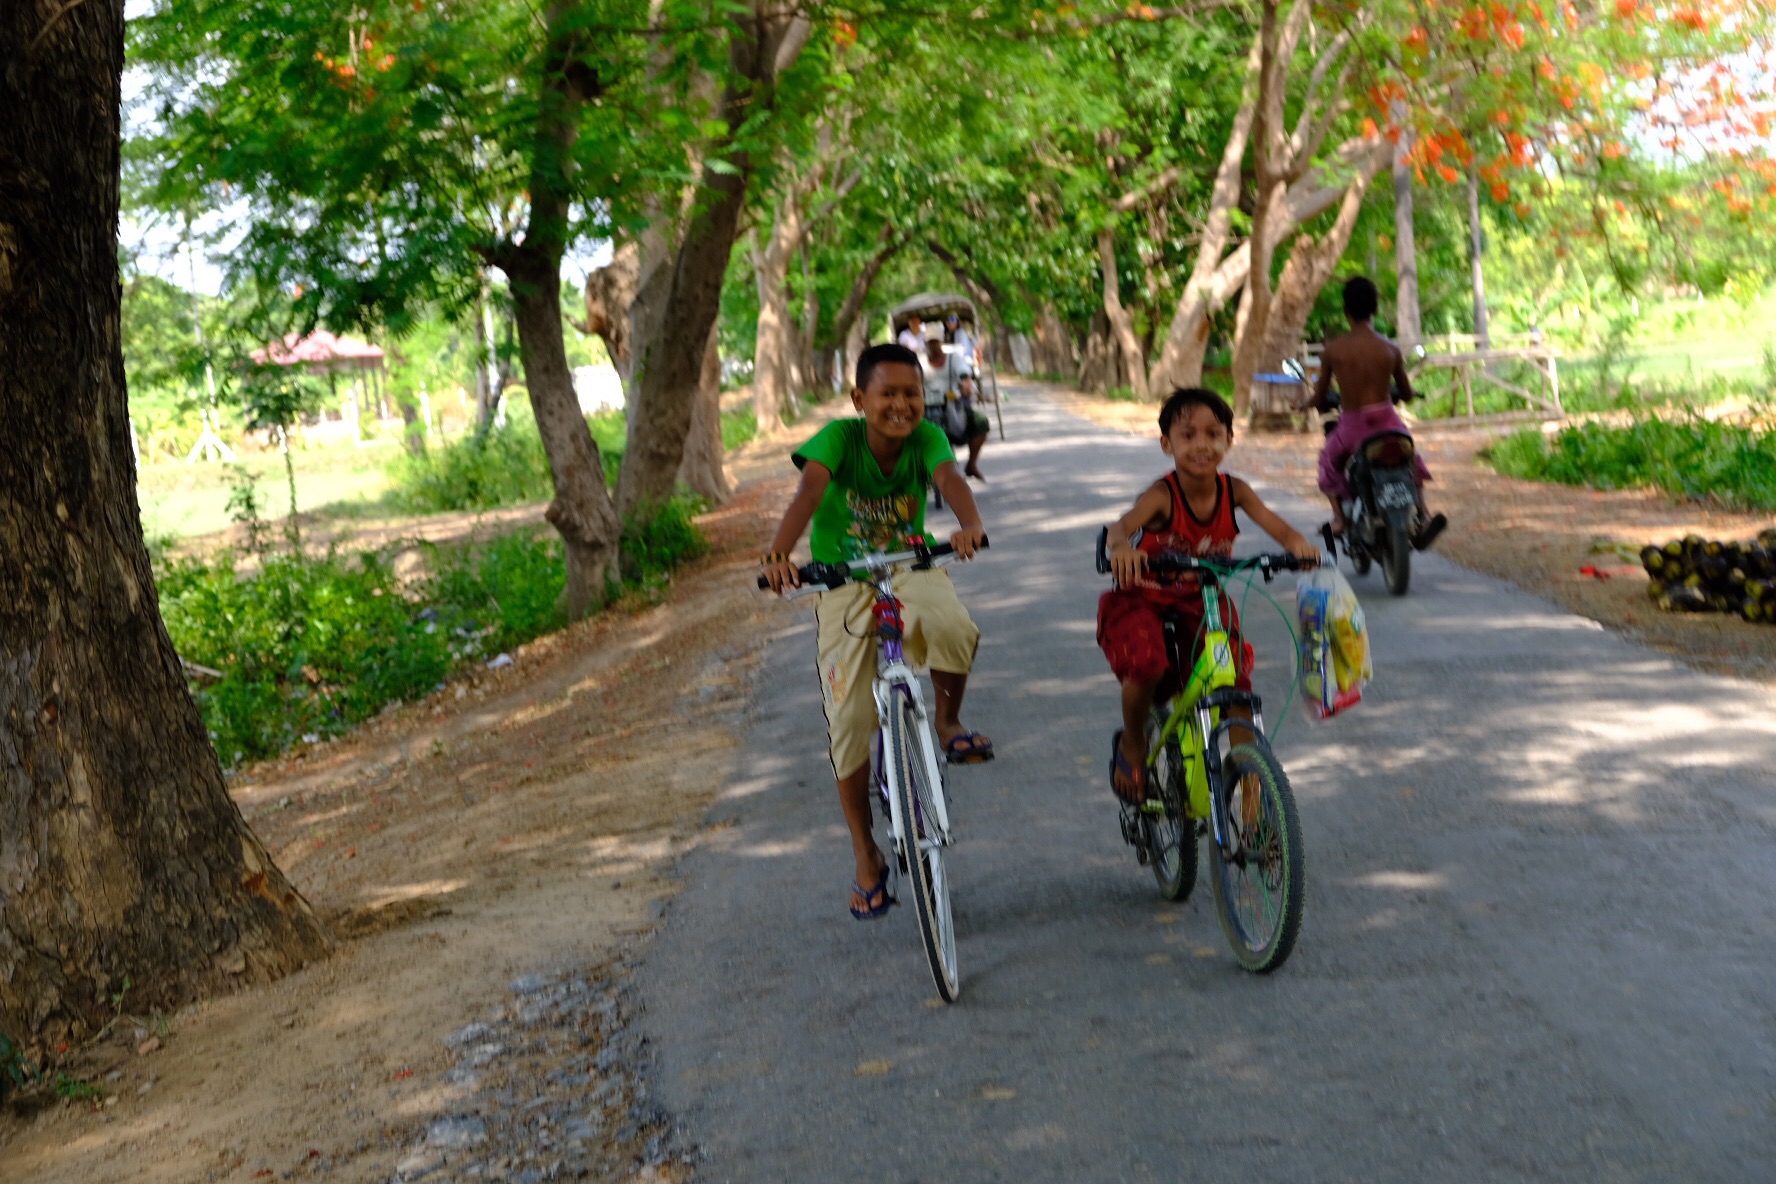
[485, 858]
[1533, 535]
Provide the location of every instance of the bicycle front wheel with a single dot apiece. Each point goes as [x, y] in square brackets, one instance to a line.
[919, 788]
[1258, 880]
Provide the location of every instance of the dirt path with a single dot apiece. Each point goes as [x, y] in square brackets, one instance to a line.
[486, 855]
[1537, 536]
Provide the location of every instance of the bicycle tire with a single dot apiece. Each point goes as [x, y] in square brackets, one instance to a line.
[1170, 837]
[1276, 879]
[910, 742]
[1396, 565]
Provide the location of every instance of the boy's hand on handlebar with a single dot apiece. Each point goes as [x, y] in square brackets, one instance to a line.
[781, 574]
[1307, 553]
[966, 542]
[1127, 564]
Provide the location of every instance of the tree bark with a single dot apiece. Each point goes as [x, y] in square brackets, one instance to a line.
[1181, 358]
[581, 510]
[610, 291]
[1054, 351]
[771, 345]
[701, 469]
[1407, 327]
[1310, 264]
[121, 854]
[1476, 249]
[852, 308]
[1122, 324]
[762, 44]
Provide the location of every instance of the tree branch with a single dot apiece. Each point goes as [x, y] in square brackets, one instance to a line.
[1135, 197]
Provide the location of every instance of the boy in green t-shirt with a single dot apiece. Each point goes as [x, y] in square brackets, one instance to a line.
[864, 484]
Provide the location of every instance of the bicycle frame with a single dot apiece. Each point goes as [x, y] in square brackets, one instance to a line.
[1196, 717]
[895, 677]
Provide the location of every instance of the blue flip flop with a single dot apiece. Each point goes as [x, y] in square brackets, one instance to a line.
[979, 750]
[1120, 764]
[873, 912]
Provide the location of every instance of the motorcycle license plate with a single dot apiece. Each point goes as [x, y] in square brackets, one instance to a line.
[1394, 497]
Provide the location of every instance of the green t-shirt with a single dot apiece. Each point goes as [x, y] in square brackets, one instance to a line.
[864, 510]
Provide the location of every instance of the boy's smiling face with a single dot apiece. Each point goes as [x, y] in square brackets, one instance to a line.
[1197, 442]
[894, 402]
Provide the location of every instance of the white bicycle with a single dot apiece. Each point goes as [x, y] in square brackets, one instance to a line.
[908, 774]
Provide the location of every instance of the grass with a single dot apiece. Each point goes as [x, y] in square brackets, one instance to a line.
[1733, 464]
[307, 647]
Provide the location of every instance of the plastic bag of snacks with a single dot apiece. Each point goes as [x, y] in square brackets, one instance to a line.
[1335, 661]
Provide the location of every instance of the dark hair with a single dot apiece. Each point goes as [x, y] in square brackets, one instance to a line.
[1360, 298]
[877, 355]
[1186, 396]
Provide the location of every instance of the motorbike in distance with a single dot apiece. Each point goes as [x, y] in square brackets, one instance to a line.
[1382, 517]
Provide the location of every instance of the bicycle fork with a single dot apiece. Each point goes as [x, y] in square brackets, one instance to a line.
[1227, 836]
[895, 682]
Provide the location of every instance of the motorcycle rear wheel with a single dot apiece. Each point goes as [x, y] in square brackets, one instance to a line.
[1396, 565]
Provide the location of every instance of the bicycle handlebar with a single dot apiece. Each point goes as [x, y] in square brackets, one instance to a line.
[828, 576]
[1176, 563]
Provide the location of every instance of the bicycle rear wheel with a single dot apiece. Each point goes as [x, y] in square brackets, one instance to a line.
[1170, 836]
[919, 787]
[1259, 891]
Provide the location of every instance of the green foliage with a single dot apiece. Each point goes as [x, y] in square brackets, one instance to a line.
[74, 1089]
[478, 471]
[496, 595]
[740, 425]
[657, 541]
[15, 1071]
[1121, 394]
[1693, 457]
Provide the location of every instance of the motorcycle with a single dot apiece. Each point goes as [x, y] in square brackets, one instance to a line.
[1380, 521]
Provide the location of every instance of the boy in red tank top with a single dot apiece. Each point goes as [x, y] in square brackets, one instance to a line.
[1189, 510]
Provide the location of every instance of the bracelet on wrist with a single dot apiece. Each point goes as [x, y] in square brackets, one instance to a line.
[773, 557]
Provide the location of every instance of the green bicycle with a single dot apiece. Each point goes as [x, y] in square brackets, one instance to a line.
[1210, 768]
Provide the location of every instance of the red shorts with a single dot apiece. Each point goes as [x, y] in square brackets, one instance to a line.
[1131, 632]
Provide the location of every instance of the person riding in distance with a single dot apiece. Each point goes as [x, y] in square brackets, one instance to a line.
[864, 487]
[961, 339]
[1365, 365]
[947, 375]
[1189, 510]
[913, 336]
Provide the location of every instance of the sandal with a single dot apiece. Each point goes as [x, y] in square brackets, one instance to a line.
[872, 912]
[1428, 530]
[979, 750]
[1120, 764]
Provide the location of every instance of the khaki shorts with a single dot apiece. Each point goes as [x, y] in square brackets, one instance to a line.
[939, 635]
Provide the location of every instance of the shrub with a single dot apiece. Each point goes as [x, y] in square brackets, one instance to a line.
[1694, 457]
[496, 595]
[738, 426]
[656, 542]
[503, 467]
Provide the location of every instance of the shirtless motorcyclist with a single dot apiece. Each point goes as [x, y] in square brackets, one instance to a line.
[1366, 367]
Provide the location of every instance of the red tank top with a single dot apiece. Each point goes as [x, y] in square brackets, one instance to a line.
[1184, 532]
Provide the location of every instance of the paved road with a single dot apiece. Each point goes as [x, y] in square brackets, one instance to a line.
[1541, 868]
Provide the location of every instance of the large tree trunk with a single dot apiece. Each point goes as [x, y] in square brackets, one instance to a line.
[581, 509]
[771, 378]
[1053, 350]
[121, 854]
[1310, 264]
[1408, 329]
[1187, 340]
[701, 469]
[670, 364]
[486, 384]
[1100, 363]
[1122, 324]
[848, 317]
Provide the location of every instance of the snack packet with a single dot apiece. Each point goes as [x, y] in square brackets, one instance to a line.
[1335, 660]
